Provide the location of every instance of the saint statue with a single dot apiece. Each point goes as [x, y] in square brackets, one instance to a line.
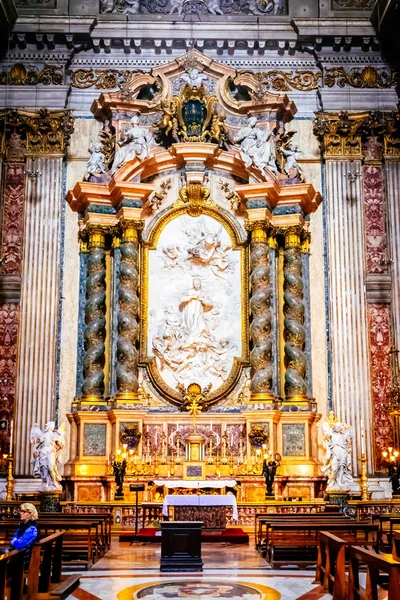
[337, 443]
[47, 447]
[257, 146]
[269, 472]
[136, 141]
[193, 305]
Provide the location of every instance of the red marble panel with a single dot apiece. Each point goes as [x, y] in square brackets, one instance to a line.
[381, 378]
[374, 211]
[11, 253]
[9, 318]
[13, 218]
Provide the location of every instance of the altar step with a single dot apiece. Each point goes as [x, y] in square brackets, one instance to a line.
[231, 535]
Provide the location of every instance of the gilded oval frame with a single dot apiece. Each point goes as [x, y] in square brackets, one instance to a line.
[149, 243]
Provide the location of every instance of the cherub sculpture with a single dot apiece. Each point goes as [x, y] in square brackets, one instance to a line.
[47, 447]
[96, 163]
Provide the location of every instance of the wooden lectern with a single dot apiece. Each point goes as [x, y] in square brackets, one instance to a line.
[181, 546]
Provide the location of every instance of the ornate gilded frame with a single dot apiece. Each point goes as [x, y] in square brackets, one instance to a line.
[238, 244]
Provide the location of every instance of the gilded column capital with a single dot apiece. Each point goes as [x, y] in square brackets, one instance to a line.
[259, 231]
[37, 132]
[130, 230]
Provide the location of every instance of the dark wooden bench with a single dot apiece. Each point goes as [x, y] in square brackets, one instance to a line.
[44, 578]
[99, 522]
[262, 520]
[387, 523]
[296, 543]
[81, 540]
[375, 564]
[331, 563]
[396, 545]
[12, 575]
[106, 519]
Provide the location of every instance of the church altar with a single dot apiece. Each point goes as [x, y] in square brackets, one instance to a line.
[213, 228]
[208, 508]
[200, 484]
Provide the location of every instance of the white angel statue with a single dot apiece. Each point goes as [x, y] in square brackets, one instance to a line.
[47, 447]
[337, 443]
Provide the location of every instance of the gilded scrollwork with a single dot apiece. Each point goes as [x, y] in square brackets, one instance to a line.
[366, 77]
[193, 197]
[19, 74]
[101, 79]
[283, 81]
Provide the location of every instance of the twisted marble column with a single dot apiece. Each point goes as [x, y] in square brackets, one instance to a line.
[294, 333]
[95, 308]
[128, 307]
[260, 327]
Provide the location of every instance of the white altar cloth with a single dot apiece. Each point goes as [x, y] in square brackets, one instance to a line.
[196, 484]
[195, 500]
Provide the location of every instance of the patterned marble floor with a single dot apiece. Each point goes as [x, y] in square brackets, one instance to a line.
[232, 572]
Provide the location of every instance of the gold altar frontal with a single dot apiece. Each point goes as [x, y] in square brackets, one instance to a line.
[89, 478]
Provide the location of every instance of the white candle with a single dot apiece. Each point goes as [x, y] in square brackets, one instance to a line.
[362, 439]
[156, 437]
[211, 425]
[11, 435]
[135, 459]
[169, 474]
[177, 425]
[165, 428]
[231, 439]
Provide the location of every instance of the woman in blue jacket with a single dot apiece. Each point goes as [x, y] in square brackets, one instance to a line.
[28, 532]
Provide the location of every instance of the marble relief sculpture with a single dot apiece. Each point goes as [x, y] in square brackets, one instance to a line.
[135, 141]
[193, 333]
[256, 146]
[338, 438]
[182, 7]
[47, 447]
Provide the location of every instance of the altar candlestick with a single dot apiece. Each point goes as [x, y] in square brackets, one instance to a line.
[11, 435]
[362, 439]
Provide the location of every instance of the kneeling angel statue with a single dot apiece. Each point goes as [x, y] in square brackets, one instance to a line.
[47, 447]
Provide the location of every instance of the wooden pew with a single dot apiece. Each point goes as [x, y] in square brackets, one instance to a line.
[44, 578]
[375, 564]
[296, 543]
[331, 563]
[386, 525]
[396, 545]
[12, 575]
[264, 521]
[80, 541]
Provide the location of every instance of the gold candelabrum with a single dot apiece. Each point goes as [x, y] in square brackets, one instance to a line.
[210, 459]
[224, 458]
[10, 478]
[364, 478]
[178, 458]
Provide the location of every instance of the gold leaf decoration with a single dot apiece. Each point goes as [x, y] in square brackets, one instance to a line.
[19, 74]
[282, 81]
[366, 77]
[101, 79]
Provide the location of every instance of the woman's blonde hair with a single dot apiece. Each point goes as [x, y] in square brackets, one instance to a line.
[31, 509]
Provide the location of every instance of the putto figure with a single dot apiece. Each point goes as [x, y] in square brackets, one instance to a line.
[47, 447]
[96, 163]
[338, 438]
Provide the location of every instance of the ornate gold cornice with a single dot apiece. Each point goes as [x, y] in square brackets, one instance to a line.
[101, 79]
[365, 77]
[284, 81]
[41, 132]
[343, 134]
[19, 74]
